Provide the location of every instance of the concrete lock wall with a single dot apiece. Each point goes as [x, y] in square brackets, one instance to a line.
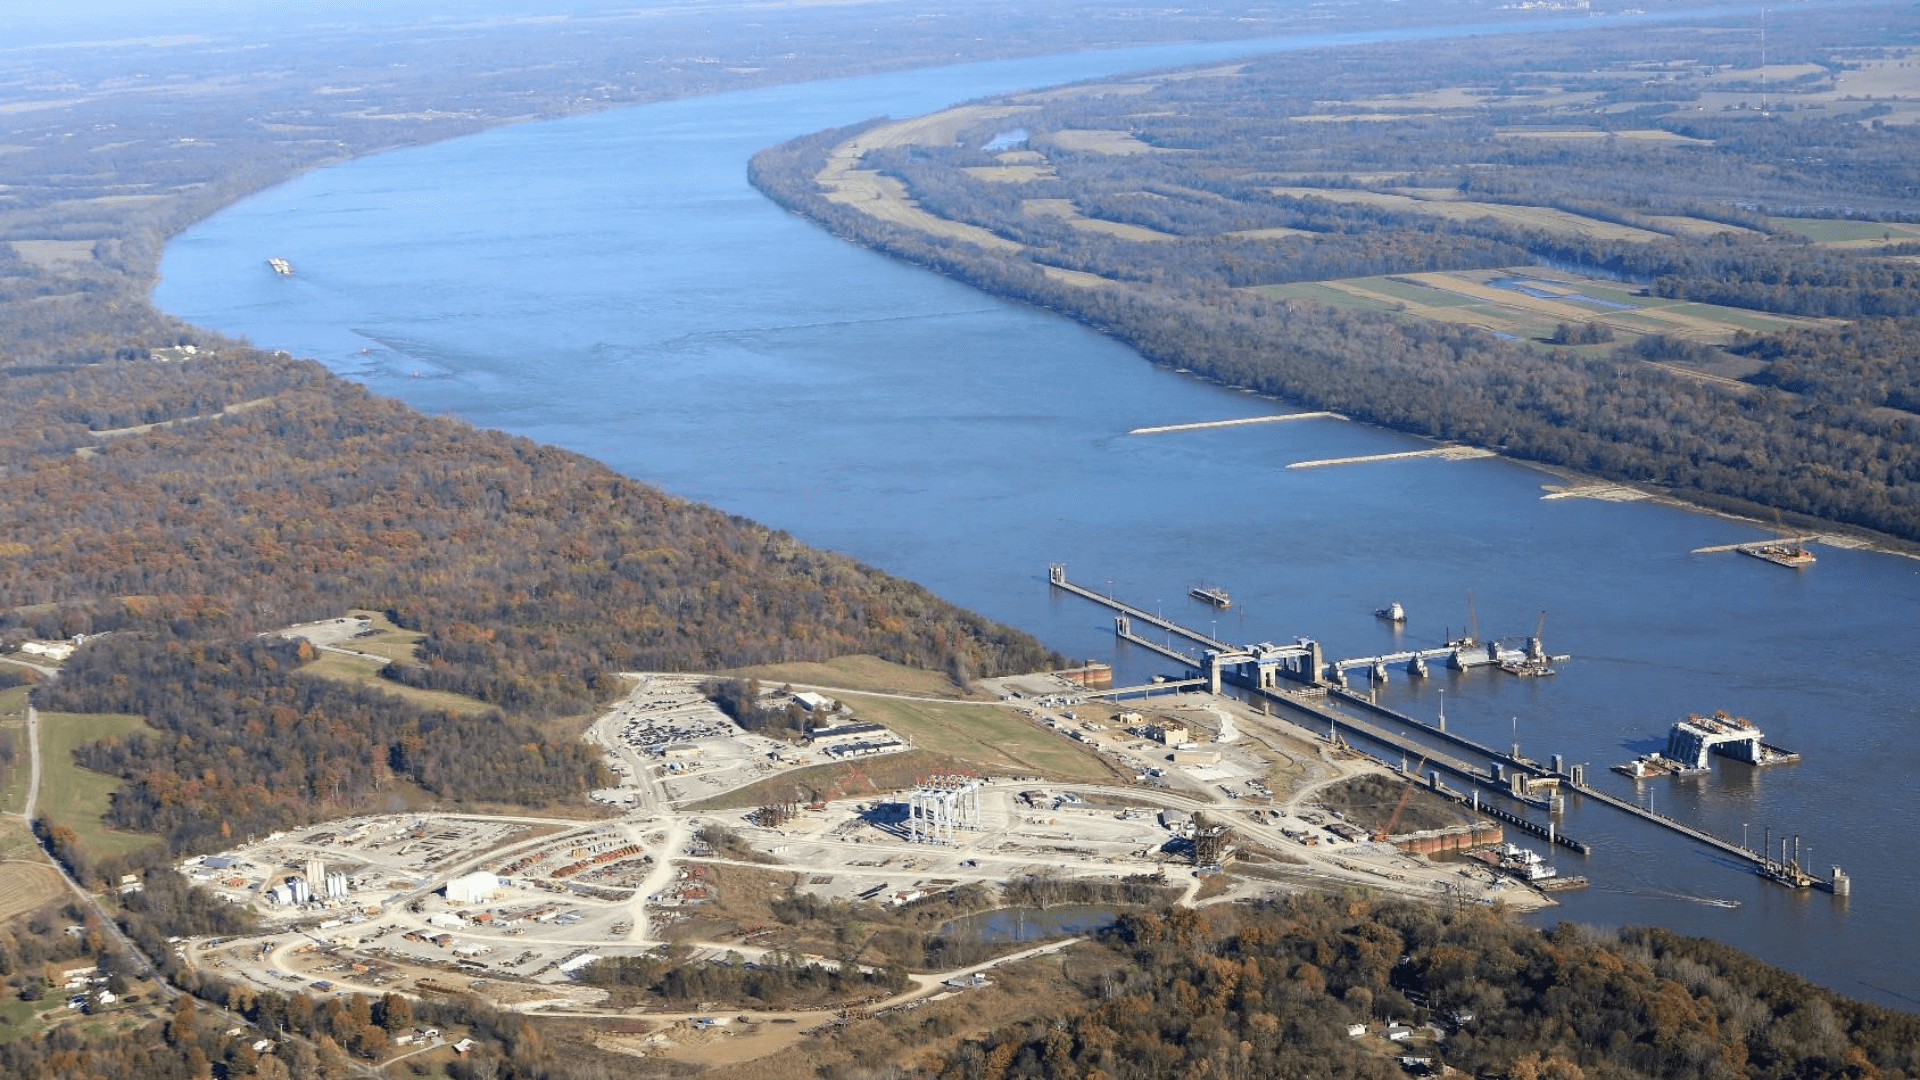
[1467, 836]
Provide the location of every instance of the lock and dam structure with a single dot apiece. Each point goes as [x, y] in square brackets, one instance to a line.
[1299, 682]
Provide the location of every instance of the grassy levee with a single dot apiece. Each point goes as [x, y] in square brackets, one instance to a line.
[947, 738]
[860, 672]
[79, 798]
[841, 779]
[994, 737]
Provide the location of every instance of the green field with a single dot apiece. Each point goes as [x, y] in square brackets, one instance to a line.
[77, 797]
[1757, 321]
[1467, 297]
[1313, 290]
[994, 737]
[17, 841]
[363, 672]
[388, 640]
[1417, 294]
[878, 775]
[853, 673]
[13, 720]
[1619, 294]
[19, 1018]
[1830, 230]
[947, 737]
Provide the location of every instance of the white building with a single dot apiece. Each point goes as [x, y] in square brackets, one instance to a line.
[578, 962]
[473, 888]
[52, 650]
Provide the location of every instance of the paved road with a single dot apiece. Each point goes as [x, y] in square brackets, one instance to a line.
[924, 986]
[43, 669]
[33, 755]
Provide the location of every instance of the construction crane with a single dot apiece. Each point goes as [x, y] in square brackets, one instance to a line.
[1537, 648]
[1473, 628]
[1406, 793]
[849, 777]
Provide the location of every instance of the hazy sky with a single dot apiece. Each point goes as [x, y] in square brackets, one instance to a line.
[44, 22]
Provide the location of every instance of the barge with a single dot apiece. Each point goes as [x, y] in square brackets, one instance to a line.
[1792, 555]
[1211, 594]
[1518, 862]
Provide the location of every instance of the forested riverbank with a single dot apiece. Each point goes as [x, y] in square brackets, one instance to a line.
[1338, 228]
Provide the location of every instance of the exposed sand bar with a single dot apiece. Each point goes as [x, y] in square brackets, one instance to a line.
[1811, 538]
[1603, 492]
[1450, 453]
[1164, 428]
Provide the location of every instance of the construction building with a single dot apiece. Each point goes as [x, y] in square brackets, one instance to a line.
[939, 805]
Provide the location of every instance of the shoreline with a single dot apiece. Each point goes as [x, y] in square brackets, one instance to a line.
[1861, 539]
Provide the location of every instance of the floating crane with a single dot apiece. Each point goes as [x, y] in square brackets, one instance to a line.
[1536, 661]
[1788, 551]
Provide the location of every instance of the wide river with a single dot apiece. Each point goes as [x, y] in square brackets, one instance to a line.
[611, 284]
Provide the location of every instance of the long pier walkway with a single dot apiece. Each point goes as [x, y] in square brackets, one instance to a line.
[1201, 425]
[1125, 632]
[1172, 686]
[1057, 577]
[1450, 453]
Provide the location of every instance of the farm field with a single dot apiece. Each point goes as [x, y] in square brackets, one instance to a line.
[1847, 233]
[1493, 300]
[1533, 217]
[28, 886]
[1067, 212]
[77, 797]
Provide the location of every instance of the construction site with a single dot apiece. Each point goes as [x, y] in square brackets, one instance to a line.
[1210, 798]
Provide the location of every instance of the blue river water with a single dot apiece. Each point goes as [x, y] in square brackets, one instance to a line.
[611, 284]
